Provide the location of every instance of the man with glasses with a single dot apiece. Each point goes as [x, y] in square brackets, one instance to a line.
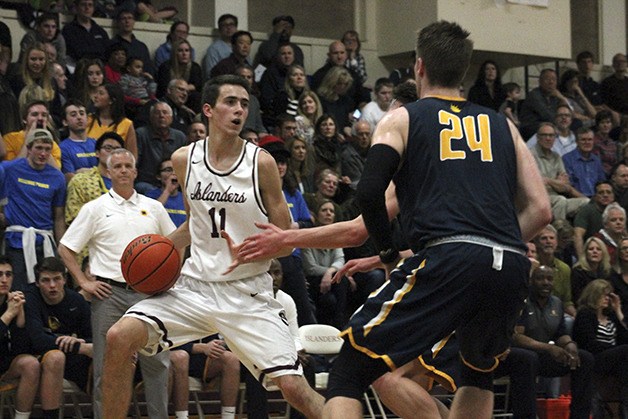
[155, 142]
[564, 198]
[58, 322]
[582, 165]
[565, 138]
[221, 47]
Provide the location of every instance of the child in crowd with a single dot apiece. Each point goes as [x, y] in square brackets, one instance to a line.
[510, 107]
[138, 85]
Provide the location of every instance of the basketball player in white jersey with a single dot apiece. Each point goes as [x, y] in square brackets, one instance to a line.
[228, 185]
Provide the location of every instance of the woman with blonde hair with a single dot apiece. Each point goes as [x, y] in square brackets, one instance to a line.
[593, 264]
[309, 110]
[35, 69]
[295, 84]
[182, 66]
[334, 95]
[600, 328]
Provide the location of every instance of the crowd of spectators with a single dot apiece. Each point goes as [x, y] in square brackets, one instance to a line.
[75, 95]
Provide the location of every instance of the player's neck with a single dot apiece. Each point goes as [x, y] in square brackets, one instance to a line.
[427, 90]
[222, 149]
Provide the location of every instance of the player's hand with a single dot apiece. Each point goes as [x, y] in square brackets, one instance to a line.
[15, 303]
[234, 249]
[262, 245]
[357, 265]
[98, 289]
[215, 348]
[66, 343]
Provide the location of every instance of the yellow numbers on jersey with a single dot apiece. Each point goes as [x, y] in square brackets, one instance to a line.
[475, 129]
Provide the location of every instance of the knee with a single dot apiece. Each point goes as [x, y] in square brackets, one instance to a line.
[384, 382]
[127, 335]
[28, 368]
[291, 386]
[231, 363]
[180, 361]
[53, 362]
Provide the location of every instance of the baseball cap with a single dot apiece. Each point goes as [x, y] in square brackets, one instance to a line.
[276, 148]
[39, 134]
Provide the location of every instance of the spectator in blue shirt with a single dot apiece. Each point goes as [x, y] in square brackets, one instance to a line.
[583, 167]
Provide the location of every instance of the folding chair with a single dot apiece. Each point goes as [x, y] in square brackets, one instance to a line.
[7, 393]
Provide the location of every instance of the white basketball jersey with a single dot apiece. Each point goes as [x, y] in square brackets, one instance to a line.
[227, 200]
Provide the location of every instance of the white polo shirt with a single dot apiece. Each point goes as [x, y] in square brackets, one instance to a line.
[108, 223]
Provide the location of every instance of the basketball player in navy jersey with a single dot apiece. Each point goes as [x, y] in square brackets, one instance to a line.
[228, 184]
[469, 197]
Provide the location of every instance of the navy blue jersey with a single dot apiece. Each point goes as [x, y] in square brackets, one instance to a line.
[459, 174]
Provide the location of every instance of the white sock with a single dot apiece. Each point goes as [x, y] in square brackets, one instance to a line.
[22, 415]
[227, 412]
[181, 414]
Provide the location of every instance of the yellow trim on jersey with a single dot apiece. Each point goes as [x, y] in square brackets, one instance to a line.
[349, 332]
[388, 305]
[454, 98]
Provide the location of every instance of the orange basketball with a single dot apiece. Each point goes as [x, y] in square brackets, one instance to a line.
[150, 264]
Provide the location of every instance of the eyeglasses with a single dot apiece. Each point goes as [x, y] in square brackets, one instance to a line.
[110, 147]
[167, 170]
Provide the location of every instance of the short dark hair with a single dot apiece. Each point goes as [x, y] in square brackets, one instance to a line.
[116, 46]
[235, 36]
[445, 49]
[29, 105]
[211, 89]
[382, 82]
[110, 135]
[602, 115]
[581, 131]
[49, 264]
[510, 87]
[584, 55]
[5, 260]
[283, 18]
[226, 16]
[71, 102]
[284, 117]
[45, 17]
[406, 92]
[124, 12]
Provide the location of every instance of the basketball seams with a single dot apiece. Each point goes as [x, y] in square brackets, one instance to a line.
[166, 262]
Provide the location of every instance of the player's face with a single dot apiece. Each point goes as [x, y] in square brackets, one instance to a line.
[616, 222]
[76, 118]
[50, 286]
[230, 111]
[122, 170]
[585, 142]
[6, 278]
[604, 195]
[38, 154]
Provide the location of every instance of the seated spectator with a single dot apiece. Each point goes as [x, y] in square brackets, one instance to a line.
[177, 97]
[510, 106]
[564, 198]
[36, 115]
[319, 266]
[595, 264]
[89, 76]
[309, 111]
[334, 94]
[138, 85]
[589, 87]
[274, 81]
[115, 62]
[294, 282]
[286, 127]
[35, 208]
[619, 179]
[588, 221]
[546, 245]
[221, 47]
[566, 138]
[205, 359]
[35, 69]
[197, 131]
[375, 110]
[614, 88]
[15, 361]
[541, 334]
[282, 31]
[614, 221]
[58, 321]
[582, 109]
[250, 135]
[605, 146]
[301, 164]
[353, 155]
[254, 119]
[487, 89]
[109, 116]
[10, 119]
[179, 31]
[155, 142]
[84, 37]
[62, 93]
[583, 167]
[169, 192]
[565, 250]
[327, 145]
[541, 103]
[125, 23]
[182, 66]
[600, 328]
[619, 279]
[287, 99]
[355, 61]
[78, 151]
[240, 49]
[326, 190]
[46, 30]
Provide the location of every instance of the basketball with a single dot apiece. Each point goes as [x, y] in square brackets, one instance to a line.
[150, 264]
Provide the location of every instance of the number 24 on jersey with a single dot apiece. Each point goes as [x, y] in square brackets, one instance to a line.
[476, 130]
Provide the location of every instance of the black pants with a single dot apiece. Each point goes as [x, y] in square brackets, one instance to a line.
[295, 286]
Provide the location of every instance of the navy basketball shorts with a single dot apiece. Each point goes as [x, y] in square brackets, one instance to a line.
[442, 363]
[444, 288]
